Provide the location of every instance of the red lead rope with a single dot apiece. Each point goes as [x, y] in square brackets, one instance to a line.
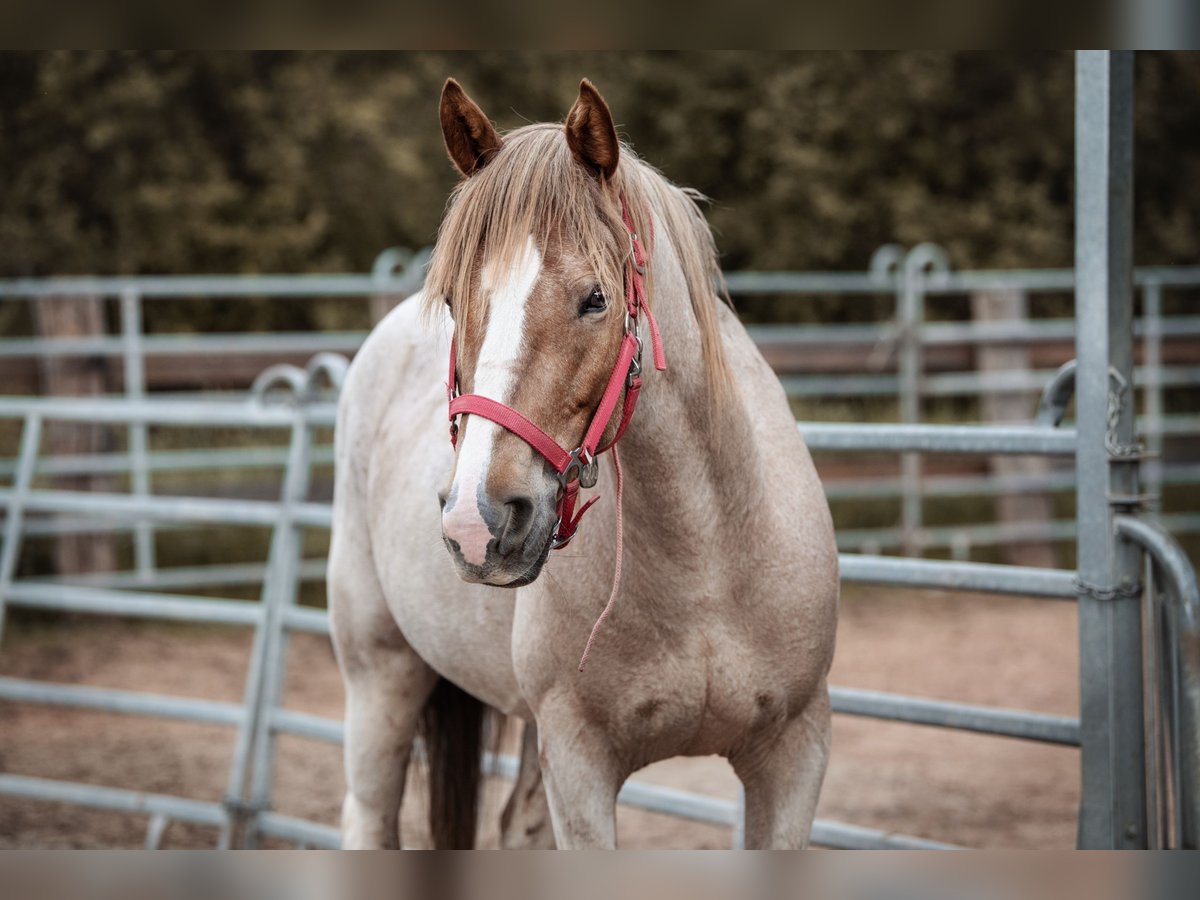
[616, 585]
[572, 466]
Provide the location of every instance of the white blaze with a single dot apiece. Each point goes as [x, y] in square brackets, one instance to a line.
[494, 377]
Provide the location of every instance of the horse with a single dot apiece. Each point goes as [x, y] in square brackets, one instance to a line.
[461, 577]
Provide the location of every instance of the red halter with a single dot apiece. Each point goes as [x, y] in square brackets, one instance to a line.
[578, 468]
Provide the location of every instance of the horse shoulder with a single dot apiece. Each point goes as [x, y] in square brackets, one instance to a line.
[793, 542]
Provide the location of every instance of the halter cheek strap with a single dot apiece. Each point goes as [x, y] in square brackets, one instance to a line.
[578, 468]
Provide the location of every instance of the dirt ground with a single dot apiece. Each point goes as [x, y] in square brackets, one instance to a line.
[967, 789]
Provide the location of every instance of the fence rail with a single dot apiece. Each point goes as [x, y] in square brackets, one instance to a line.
[151, 591]
[262, 716]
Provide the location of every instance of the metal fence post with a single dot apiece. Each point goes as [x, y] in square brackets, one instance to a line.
[1152, 337]
[1113, 803]
[919, 262]
[910, 311]
[382, 271]
[31, 441]
[135, 389]
[280, 593]
[265, 652]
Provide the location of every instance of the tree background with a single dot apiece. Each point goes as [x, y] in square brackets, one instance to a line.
[186, 162]
[200, 162]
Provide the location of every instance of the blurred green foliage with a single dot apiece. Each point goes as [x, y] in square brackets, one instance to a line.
[299, 162]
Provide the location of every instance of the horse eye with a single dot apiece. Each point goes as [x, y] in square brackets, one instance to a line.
[594, 302]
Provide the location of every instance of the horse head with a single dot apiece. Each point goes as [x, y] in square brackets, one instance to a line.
[534, 260]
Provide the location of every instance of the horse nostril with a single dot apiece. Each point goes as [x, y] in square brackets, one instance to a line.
[518, 521]
[442, 495]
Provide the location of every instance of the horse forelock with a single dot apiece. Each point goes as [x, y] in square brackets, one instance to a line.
[535, 187]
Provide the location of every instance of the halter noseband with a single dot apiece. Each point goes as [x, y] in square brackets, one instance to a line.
[578, 468]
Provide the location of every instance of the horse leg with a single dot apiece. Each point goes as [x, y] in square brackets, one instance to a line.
[783, 779]
[383, 707]
[387, 685]
[581, 780]
[525, 822]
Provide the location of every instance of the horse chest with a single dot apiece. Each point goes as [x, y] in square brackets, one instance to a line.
[709, 703]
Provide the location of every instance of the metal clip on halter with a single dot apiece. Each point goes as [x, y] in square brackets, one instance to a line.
[635, 367]
[557, 543]
[635, 364]
[640, 268]
[583, 467]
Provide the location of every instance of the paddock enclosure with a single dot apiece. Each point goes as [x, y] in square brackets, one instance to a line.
[1092, 500]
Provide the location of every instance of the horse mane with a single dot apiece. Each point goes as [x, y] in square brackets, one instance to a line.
[534, 186]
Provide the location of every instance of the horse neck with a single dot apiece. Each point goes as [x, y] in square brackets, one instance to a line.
[685, 457]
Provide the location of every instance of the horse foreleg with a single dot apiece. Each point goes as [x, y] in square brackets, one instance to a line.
[525, 822]
[783, 780]
[387, 685]
[383, 705]
[581, 779]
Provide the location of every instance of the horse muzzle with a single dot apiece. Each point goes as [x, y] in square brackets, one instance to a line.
[498, 541]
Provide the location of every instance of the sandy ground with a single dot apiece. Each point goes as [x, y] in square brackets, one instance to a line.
[967, 789]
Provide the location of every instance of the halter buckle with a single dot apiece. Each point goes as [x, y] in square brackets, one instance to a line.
[640, 268]
[556, 542]
[581, 467]
[635, 366]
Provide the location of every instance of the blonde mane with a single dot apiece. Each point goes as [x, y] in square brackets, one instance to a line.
[534, 186]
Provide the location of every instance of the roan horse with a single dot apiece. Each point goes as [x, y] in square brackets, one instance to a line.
[723, 619]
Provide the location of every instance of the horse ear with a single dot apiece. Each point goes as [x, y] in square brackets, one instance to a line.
[591, 134]
[470, 138]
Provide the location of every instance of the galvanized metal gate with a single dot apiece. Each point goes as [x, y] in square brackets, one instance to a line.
[1138, 602]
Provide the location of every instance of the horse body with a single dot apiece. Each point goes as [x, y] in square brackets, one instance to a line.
[723, 628]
